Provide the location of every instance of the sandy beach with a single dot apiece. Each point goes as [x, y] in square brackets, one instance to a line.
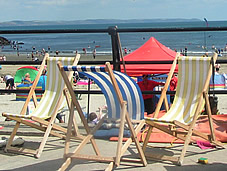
[11, 69]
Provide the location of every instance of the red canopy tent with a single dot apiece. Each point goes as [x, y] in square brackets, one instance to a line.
[152, 50]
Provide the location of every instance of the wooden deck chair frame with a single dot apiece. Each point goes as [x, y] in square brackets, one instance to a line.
[173, 127]
[48, 127]
[113, 161]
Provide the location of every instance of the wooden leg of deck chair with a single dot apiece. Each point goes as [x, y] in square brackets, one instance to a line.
[43, 142]
[69, 130]
[147, 138]
[66, 94]
[65, 165]
[88, 138]
[129, 141]
[121, 133]
[75, 127]
[110, 167]
[186, 143]
[135, 139]
[12, 136]
[190, 131]
[67, 162]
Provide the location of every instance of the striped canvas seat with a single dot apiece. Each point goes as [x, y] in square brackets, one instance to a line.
[191, 96]
[193, 72]
[53, 92]
[128, 88]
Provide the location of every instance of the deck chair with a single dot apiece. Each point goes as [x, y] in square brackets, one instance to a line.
[191, 94]
[47, 108]
[124, 102]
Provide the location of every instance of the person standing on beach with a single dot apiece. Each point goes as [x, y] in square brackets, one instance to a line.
[94, 53]
[32, 56]
[186, 51]
[9, 80]
[125, 50]
[148, 85]
[85, 50]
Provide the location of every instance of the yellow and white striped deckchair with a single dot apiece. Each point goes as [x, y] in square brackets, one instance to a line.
[191, 94]
[47, 108]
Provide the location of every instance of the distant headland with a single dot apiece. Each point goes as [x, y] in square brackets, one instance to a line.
[92, 21]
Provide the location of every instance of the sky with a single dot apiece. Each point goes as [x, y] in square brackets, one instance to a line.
[55, 10]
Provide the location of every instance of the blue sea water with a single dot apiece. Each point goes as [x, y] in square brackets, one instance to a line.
[68, 43]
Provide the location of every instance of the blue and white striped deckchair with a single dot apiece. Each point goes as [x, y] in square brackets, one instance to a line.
[129, 89]
[124, 101]
[191, 94]
[49, 105]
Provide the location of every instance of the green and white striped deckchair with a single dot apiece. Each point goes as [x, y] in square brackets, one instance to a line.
[191, 94]
[48, 107]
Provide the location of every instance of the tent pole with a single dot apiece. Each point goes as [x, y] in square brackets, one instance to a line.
[121, 53]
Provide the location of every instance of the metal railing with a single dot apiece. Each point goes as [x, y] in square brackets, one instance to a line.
[113, 32]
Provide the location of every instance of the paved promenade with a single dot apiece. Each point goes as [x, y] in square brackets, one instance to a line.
[52, 156]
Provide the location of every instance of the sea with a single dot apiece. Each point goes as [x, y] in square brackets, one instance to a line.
[72, 42]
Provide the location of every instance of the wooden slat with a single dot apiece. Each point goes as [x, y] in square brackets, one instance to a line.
[43, 122]
[33, 125]
[164, 129]
[195, 132]
[91, 157]
[162, 157]
[21, 150]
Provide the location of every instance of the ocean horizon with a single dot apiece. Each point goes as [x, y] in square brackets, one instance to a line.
[72, 42]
